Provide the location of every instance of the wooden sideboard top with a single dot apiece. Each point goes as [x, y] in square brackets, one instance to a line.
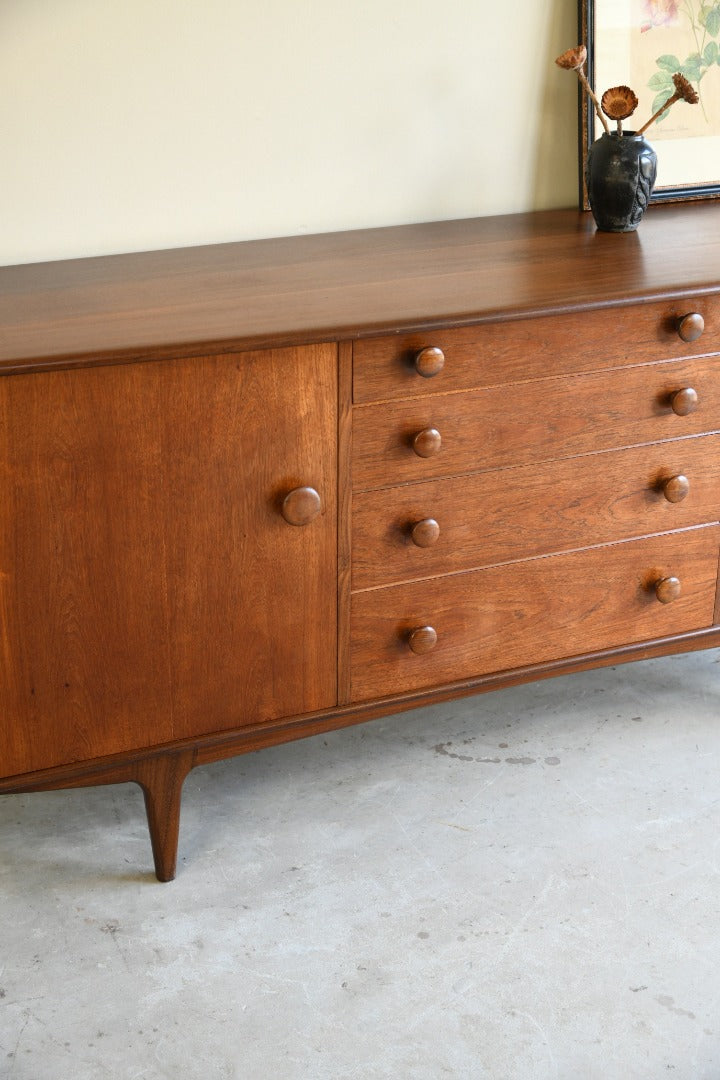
[342, 285]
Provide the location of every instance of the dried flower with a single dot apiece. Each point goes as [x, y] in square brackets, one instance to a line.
[683, 92]
[573, 59]
[618, 103]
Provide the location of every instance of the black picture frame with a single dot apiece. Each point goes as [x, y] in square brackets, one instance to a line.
[587, 34]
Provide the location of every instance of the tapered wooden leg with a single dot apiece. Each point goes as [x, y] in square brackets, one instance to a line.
[161, 779]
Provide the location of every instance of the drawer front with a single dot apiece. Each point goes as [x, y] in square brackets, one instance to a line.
[479, 430]
[494, 353]
[445, 526]
[529, 612]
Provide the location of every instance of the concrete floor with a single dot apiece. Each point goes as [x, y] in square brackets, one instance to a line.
[517, 886]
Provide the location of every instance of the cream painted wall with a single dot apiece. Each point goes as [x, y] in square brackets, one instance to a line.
[157, 123]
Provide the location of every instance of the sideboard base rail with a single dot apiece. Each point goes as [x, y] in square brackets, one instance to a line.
[161, 772]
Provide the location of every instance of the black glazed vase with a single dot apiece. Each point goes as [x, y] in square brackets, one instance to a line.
[620, 174]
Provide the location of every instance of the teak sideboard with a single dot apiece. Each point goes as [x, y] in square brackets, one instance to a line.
[252, 492]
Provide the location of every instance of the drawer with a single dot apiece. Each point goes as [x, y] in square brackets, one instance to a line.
[493, 353]
[478, 430]
[526, 613]
[446, 526]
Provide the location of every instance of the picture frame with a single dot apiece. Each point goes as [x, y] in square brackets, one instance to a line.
[636, 43]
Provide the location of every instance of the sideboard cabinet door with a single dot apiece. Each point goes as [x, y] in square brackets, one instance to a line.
[167, 551]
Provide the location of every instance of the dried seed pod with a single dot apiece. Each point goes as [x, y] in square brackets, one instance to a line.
[684, 90]
[619, 102]
[573, 59]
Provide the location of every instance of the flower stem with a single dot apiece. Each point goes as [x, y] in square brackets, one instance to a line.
[670, 101]
[589, 90]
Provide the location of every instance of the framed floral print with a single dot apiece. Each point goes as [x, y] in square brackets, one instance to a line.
[642, 44]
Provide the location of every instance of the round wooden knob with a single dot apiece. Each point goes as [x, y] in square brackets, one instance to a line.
[667, 589]
[690, 327]
[427, 442]
[429, 361]
[301, 506]
[422, 640]
[676, 488]
[425, 533]
[685, 401]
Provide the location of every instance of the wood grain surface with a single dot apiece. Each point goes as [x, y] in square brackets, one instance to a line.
[150, 587]
[203, 749]
[529, 612]
[341, 285]
[533, 510]
[491, 354]
[529, 422]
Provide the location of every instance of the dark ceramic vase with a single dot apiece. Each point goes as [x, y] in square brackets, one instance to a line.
[620, 174]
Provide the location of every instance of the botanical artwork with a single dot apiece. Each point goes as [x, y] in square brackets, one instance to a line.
[645, 44]
[680, 36]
